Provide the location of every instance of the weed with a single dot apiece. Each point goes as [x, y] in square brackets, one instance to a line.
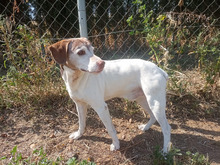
[74, 161]
[131, 107]
[39, 157]
[197, 158]
[31, 75]
[165, 159]
[175, 157]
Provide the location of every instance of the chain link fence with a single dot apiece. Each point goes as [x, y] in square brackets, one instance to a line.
[180, 31]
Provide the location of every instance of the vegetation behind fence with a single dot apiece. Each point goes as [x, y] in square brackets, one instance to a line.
[178, 35]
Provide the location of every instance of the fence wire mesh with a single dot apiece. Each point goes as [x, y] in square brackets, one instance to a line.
[177, 26]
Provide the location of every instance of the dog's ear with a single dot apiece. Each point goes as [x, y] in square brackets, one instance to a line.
[59, 51]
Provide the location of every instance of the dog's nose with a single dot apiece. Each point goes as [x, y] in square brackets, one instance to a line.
[101, 64]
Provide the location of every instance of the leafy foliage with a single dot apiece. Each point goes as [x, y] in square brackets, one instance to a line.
[176, 157]
[30, 73]
[170, 44]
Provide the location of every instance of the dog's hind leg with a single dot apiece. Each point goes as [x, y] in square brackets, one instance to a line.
[154, 89]
[157, 103]
[143, 103]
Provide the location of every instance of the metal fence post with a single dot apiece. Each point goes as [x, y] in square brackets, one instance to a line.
[82, 18]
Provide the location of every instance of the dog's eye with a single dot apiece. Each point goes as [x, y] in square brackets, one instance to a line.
[81, 52]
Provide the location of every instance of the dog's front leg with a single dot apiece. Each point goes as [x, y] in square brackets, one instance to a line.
[104, 115]
[82, 112]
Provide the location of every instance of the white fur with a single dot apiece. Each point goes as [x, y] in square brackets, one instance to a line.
[133, 79]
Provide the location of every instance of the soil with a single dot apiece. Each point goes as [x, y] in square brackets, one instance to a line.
[50, 128]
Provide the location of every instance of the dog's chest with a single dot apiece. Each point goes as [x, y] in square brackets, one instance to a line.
[75, 91]
[83, 89]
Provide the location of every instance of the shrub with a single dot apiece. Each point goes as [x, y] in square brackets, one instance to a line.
[186, 43]
[30, 74]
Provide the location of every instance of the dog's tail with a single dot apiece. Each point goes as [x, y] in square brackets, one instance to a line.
[164, 74]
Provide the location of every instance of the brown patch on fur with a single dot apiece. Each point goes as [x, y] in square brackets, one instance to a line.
[77, 74]
[80, 42]
[60, 52]
[61, 69]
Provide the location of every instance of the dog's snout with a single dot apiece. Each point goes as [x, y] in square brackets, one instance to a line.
[101, 63]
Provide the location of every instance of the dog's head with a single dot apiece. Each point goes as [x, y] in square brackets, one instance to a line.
[77, 54]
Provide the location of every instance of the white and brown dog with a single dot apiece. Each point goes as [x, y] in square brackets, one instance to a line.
[91, 81]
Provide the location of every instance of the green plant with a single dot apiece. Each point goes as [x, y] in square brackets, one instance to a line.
[175, 157]
[42, 157]
[153, 30]
[177, 82]
[39, 157]
[165, 159]
[208, 56]
[177, 45]
[31, 76]
[16, 157]
[196, 159]
[74, 161]
[131, 107]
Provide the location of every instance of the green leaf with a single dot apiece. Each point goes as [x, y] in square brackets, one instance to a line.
[14, 150]
[72, 161]
[5, 63]
[129, 19]
[131, 33]
[2, 158]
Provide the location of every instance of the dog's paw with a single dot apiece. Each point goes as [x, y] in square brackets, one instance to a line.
[114, 147]
[75, 135]
[143, 127]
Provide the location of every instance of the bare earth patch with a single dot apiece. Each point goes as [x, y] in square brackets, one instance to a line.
[50, 129]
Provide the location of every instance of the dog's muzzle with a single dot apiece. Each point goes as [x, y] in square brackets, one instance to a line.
[101, 65]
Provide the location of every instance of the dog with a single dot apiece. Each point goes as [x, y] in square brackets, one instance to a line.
[91, 81]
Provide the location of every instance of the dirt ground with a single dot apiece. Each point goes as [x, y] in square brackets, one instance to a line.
[50, 129]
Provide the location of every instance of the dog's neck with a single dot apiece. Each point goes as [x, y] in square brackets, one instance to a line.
[72, 77]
